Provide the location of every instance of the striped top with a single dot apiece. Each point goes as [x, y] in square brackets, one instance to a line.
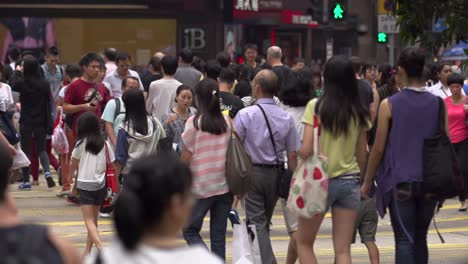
[208, 162]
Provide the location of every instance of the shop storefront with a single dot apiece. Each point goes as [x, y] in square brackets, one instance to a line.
[140, 27]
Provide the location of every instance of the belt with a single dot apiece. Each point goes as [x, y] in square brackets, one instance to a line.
[350, 176]
[269, 166]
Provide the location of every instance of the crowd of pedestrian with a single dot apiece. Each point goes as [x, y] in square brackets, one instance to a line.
[166, 132]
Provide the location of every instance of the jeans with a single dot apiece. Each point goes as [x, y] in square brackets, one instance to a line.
[39, 134]
[219, 207]
[416, 212]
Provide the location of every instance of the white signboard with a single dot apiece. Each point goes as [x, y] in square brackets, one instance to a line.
[388, 24]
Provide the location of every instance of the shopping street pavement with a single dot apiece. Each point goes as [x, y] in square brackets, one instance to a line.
[40, 205]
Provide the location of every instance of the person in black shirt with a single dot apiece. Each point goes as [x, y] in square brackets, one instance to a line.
[227, 100]
[154, 73]
[243, 87]
[283, 72]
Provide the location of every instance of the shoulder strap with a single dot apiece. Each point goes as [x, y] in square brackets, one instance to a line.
[442, 121]
[117, 108]
[271, 133]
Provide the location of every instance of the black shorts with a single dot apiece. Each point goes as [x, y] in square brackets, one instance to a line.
[92, 197]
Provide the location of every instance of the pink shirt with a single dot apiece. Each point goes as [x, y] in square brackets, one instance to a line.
[456, 121]
[208, 162]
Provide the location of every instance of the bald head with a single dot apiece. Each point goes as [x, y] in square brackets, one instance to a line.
[158, 55]
[267, 81]
[274, 55]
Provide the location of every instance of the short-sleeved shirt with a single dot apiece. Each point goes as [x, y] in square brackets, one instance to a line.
[340, 149]
[161, 97]
[115, 81]
[109, 114]
[456, 121]
[175, 128]
[230, 103]
[208, 162]
[365, 93]
[92, 168]
[80, 92]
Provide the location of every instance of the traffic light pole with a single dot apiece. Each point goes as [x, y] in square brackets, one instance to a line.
[391, 47]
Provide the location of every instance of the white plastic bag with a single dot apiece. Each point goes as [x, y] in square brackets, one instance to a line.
[20, 160]
[59, 138]
[245, 247]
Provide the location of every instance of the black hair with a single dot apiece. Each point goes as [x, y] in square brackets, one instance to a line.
[5, 166]
[412, 61]
[441, 65]
[149, 187]
[125, 80]
[110, 54]
[250, 46]
[340, 103]
[182, 88]
[155, 63]
[88, 128]
[121, 56]
[198, 63]
[212, 120]
[13, 52]
[245, 72]
[212, 69]
[259, 58]
[227, 76]
[169, 65]
[268, 83]
[73, 71]
[387, 72]
[135, 111]
[52, 51]
[367, 66]
[298, 90]
[356, 62]
[89, 58]
[455, 78]
[223, 59]
[32, 70]
[234, 67]
[186, 55]
[298, 60]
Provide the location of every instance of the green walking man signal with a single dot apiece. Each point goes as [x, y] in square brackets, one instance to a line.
[382, 37]
[338, 12]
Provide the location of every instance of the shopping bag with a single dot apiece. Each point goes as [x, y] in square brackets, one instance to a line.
[245, 247]
[20, 160]
[59, 138]
[112, 185]
[308, 193]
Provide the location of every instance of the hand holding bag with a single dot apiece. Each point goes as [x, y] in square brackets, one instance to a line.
[59, 138]
[245, 247]
[309, 187]
[284, 175]
[111, 182]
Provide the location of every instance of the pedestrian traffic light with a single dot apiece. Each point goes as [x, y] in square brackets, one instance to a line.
[382, 37]
[338, 11]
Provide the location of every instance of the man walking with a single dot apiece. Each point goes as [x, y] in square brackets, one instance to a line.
[251, 126]
[116, 77]
[53, 73]
[185, 73]
[284, 73]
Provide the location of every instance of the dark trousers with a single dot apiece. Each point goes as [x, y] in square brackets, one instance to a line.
[461, 150]
[259, 206]
[39, 133]
[219, 207]
[416, 212]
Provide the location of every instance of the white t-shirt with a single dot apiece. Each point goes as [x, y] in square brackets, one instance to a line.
[6, 97]
[92, 168]
[149, 255]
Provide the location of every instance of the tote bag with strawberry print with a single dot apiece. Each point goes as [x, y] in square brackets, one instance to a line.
[308, 193]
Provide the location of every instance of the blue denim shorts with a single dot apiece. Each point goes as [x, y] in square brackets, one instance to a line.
[344, 193]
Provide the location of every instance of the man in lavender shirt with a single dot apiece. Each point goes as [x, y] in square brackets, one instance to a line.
[252, 129]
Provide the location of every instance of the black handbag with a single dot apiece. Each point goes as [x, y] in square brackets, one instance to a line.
[8, 129]
[284, 178]
[442, 178]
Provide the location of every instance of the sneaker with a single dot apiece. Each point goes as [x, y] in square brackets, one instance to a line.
[50, 180]
[25, 186]
[63, 193]
[105, 215]
[73, 200]
[234, 217]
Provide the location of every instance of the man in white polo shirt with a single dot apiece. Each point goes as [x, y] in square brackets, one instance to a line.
[116, 77]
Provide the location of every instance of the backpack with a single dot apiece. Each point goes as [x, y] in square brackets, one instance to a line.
[117, 108]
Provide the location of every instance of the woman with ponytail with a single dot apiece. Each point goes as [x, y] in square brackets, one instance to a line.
[149, 214]
[206, 138]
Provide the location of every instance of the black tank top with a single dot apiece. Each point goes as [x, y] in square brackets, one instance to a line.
[27, 244]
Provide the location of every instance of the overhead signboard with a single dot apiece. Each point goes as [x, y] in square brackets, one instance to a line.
[388, 24]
